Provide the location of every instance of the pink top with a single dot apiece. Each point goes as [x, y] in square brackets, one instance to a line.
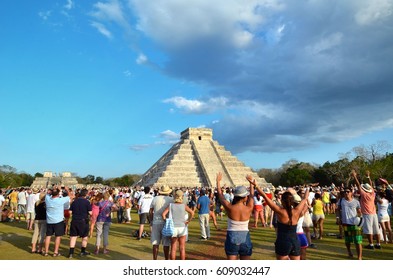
[367, 205]
[95, 209]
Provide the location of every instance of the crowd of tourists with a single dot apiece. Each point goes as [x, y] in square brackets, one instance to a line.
[362, 208]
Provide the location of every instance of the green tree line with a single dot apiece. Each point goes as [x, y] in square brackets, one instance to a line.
[10, 177]
[374, 158]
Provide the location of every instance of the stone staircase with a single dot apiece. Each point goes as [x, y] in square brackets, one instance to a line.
[211, 162]
[194, 162]
[46, 181]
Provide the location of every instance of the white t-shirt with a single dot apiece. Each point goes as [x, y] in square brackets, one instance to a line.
[349, 210]
[22, 198]
[31, 200]
[144, 203]
[2, 200]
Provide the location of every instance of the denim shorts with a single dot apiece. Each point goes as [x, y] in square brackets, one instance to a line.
[238, 243]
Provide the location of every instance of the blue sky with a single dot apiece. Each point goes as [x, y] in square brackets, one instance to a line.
[106, 87]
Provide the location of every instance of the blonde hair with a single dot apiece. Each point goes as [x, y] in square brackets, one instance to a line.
[41, 200]
[179, 196]
[106, 195]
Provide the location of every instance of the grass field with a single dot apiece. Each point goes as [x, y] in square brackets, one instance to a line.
[15, 244]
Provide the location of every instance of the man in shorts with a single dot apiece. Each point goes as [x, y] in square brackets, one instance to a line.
[143, 210]
[348, 210]
[158, 205]
[55, 219]
[22, 201]
[32, 197]
[80, 210]
[13, 197]
[369, 211]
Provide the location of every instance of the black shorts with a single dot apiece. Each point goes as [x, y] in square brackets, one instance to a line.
[79, 228]
[56, 229]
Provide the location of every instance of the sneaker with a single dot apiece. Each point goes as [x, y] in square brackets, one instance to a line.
[84, 253]
[203, 238]
[313, 246]
[370, 246]
[70, 256]
[378, 246]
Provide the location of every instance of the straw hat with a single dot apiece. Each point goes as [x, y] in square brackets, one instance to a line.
[366, 187]
[296, 198]
[165, 190]
[240, 191]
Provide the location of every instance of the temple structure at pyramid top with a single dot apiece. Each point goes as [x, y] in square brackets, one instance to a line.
[194, 162]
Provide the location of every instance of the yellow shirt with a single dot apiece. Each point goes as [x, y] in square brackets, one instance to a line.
[318, 207]
[326, 197]
[14, 197]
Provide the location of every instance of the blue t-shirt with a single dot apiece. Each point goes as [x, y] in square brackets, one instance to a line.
[55, 208]
[204, 203]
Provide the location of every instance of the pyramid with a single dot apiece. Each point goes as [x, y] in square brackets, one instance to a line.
[194, 162]
[66, 179]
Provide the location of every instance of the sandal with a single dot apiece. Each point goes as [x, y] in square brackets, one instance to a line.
[56, 255]
[45, 254]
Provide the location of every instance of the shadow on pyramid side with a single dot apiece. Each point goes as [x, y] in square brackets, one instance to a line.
[194, 162]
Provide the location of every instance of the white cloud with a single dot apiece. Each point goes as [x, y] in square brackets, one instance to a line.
[111, 12]
[373, 11]
[176, 23]
[102, 29]
[69, 5]
[167, 137]
[141, 59]
[194, 106]
[45, 15]
[127, 73]
[169, 134]
[140, 147]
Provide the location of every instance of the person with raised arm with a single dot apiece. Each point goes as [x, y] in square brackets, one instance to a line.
[287, 245]
[369, 211]
[238, 242]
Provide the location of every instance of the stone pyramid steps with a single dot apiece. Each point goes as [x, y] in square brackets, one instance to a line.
[194, 162]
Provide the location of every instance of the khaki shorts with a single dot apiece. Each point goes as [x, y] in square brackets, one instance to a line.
[30, 216]
[157, 238]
